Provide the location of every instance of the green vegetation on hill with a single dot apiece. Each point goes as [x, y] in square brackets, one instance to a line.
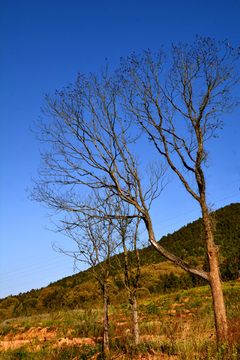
[158, 275]
[188, 241]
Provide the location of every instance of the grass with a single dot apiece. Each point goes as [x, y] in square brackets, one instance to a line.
[173, 326]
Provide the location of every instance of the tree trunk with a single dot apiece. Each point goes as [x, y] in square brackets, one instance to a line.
[213, 277]
[215, 280]
[105, 331]
[135, 320]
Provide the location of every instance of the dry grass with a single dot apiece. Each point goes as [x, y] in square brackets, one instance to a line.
[173, 326]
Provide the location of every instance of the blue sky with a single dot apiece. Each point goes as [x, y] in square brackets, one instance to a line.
[44, 44]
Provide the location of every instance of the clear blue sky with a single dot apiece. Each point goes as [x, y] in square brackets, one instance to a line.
[44, 44]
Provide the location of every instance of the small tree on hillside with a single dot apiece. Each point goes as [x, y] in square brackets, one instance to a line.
[97, 243]
[104, 229]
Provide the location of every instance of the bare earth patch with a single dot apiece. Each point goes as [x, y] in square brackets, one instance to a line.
[41, 335]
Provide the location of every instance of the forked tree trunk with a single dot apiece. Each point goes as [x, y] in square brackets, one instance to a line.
[213, 277]
[135, 320]
[105, 330]
[215, 280]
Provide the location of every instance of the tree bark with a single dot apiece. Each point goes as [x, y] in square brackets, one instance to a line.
[176, 260]
[105, 330]
[215, 280]
[135, 320]
[213, 277]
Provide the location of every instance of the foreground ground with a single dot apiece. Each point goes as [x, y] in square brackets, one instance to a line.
[174, 326]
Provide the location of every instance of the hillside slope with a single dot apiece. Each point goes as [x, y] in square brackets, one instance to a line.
[158, 275]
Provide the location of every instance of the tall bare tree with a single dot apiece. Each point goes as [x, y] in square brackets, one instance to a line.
[90, 140]
[177, 100]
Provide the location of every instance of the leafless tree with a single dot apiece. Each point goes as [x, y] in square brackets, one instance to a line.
[101, 234]
[91, 134]
[177, 100]
[96, 245]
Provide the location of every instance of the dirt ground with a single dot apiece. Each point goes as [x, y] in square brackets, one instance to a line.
[37, 336]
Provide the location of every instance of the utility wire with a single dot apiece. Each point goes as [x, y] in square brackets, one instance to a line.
[50, 259]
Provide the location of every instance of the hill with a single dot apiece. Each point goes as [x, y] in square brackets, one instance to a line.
[158, 274]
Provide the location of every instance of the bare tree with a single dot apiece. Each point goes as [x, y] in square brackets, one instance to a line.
[90, 143]
[96, 242]
[100, 234]
[177, 101]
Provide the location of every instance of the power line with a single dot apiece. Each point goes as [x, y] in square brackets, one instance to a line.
[25, 267]
[36, 270]
[183, 220]
[19, 270]
[50, 259]
[33, 281]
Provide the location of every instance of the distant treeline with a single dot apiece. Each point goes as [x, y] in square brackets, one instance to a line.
[82, 291]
